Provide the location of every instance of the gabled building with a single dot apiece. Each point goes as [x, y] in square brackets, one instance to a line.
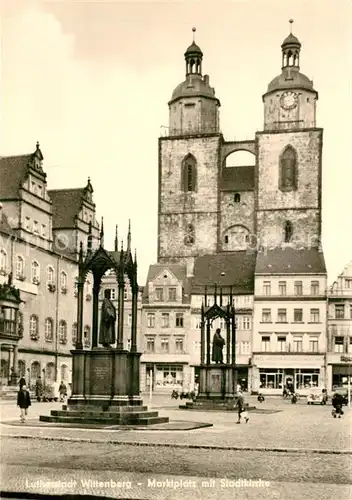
[339, 342]
[40, 235]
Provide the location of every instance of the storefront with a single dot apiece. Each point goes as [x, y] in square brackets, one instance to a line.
[166, 376]
[339, 370]
[270, 374]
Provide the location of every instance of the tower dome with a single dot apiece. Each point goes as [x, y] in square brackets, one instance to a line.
[290, 98]
[193, 105]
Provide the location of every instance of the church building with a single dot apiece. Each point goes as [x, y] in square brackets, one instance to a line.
[247, 227]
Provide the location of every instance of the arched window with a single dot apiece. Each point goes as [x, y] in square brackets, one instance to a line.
[62, 332]
[19, 267]
[64, 372]
[21, 366]
[50, 275]
[3, 260]
[35, 271]
[288, 170]
[34, 327]
[189, 174]
[35, 370]
[49, 329]
[86, 336]
[288, 231]
[63, 281]
[74, 333]
[237, 198]
[190, 235]
[50, 372]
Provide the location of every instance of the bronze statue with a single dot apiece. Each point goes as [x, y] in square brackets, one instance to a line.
[218, 345]
[107, 321]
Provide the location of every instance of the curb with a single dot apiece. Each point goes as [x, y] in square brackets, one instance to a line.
[185, 446]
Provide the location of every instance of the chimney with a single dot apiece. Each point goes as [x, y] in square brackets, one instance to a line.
[189, 267]
[206, 79]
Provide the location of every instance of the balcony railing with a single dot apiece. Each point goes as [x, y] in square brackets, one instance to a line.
[9, 328]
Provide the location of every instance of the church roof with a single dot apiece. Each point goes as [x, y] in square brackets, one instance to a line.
[237, 179]
[66, 206]
[235, 269]
[193, 86]
[288, 260]
[13, 170]
[291, 40]
[193, 49]
[290, 79]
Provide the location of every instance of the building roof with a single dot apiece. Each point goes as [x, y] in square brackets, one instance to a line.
[178, 270]
[237, 178]
[66, 206]
[291, 40]
[193, 86]
[290, 79]
[235, 269]
[288, 260]
[193, 49]
[13, 170]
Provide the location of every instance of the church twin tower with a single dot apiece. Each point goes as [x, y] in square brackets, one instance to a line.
[206, 207]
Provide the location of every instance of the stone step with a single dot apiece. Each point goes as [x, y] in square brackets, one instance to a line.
[98, 408]
[126, 420]
[101, 414]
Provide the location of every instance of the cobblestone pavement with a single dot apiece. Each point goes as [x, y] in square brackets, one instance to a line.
[125, 471]
[291, 427]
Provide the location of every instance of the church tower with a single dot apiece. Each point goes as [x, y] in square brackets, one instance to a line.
[289, 158]
[188, 211]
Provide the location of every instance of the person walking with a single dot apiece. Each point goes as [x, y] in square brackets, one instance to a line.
[62, 391]
[242, 413]
[337, 403]
[24, 402]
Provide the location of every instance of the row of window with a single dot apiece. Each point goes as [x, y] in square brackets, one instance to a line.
[340, 311]
[165, 294]
[62, 331]
[241, 347]
[114, 293]
[279, 343]
[164, 346]
[271, 378]
[35, 227]
[297, 288]
[282, 316]
[165, 320]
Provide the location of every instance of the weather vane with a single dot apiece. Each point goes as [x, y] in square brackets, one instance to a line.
[194, 30]
[291, 22]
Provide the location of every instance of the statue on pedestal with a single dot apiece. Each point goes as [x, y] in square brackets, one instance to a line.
[218, 345]
[107, 321]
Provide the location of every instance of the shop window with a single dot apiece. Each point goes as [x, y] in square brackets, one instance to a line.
[270, 378]
[169, 376]
[306, 378]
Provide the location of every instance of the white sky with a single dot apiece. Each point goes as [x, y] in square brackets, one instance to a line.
[91, 82]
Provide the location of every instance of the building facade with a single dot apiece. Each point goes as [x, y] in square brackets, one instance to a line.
[339, 342]
[250, 227]
[41, 231]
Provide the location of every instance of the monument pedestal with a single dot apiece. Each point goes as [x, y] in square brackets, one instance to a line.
[105, 390]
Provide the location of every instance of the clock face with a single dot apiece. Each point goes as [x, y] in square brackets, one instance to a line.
[289, 100]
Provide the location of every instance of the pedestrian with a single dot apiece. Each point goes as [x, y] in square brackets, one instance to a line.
[24, 402]
[22, 382]
[337, 403]
[62, 391]
[241, 412]
[39, 388]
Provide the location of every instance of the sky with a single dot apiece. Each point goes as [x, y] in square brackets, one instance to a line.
[91, 81]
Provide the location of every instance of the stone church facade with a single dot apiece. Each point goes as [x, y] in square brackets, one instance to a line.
[253, 228]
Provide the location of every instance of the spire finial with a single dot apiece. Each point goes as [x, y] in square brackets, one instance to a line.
[102, 232]
[129, 235]
[194, 34]
[291, 22]
[37, 145]
[116, 247]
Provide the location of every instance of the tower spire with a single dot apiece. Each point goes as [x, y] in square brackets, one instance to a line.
[116, 246]
[129, 236]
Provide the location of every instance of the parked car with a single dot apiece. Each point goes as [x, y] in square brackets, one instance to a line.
[316, 397]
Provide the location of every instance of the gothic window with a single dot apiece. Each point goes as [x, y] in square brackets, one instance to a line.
[288, 170]
[288, 231]
[189, 174]
[237, 198]
[190, 235]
